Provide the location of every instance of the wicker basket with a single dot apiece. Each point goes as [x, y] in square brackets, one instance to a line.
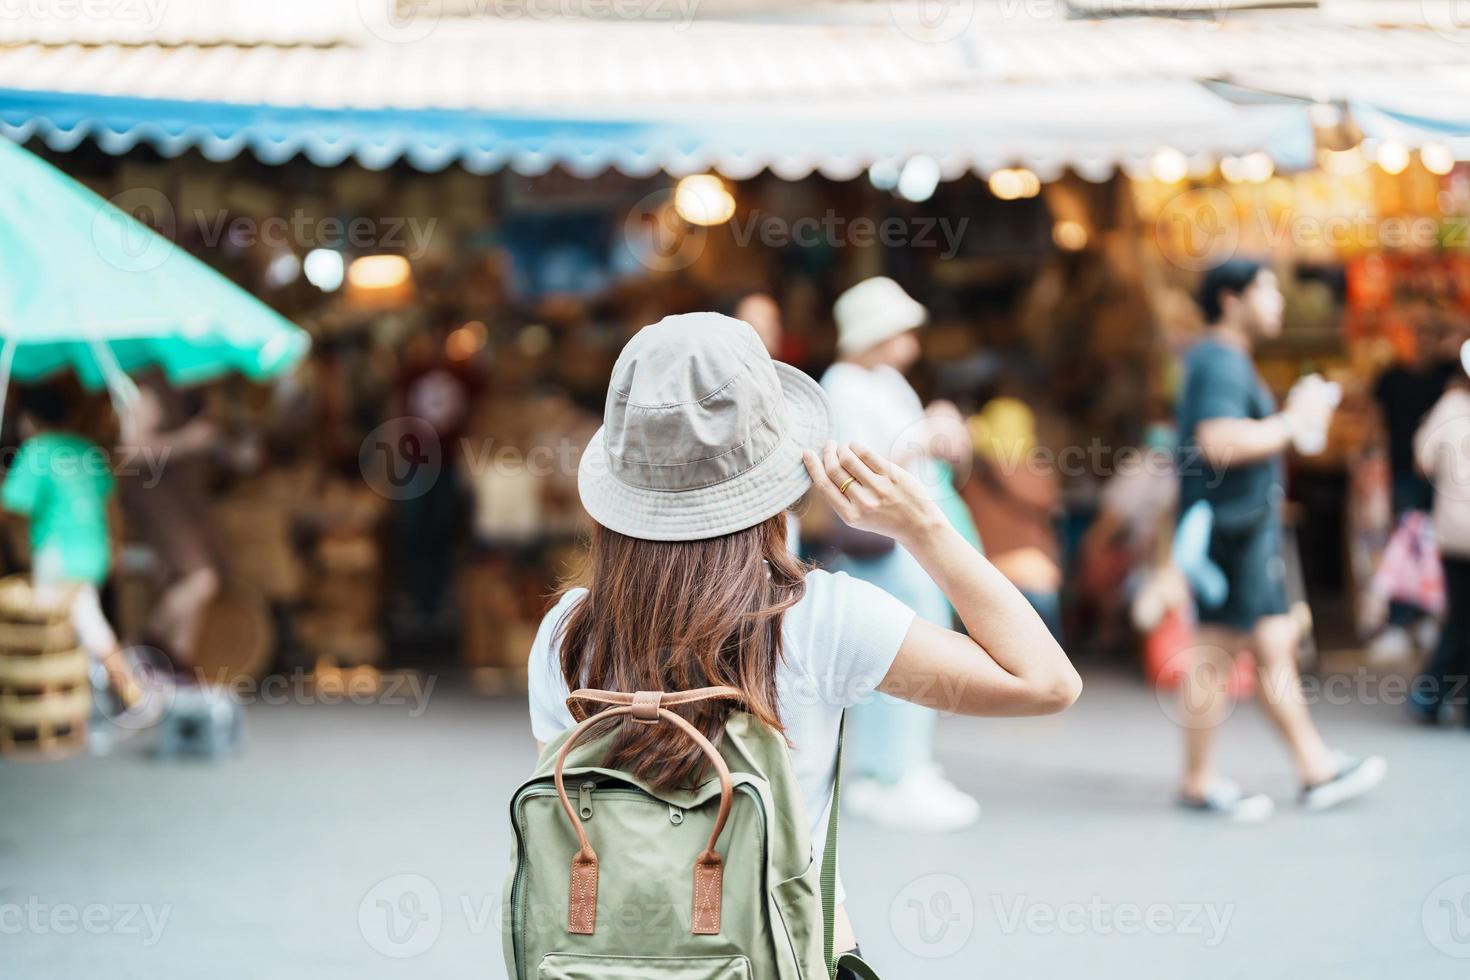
[47, 720]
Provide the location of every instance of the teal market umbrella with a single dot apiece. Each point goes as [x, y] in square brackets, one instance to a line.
[85, 286]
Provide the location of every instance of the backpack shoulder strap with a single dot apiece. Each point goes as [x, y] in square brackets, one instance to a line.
[829, 859]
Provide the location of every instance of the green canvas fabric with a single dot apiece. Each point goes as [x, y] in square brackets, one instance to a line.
[89, 289]
[773, 923]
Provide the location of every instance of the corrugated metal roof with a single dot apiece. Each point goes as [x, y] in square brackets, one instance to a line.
[735, 95]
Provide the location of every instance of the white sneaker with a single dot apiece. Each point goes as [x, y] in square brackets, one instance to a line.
[1426, 634]
[1354, 778]
[922, 800]
[1392, 646]
[1225, 798]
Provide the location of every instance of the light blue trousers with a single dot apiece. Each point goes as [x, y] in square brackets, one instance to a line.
[887, 738]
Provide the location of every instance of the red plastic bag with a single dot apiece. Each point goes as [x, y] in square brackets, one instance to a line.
[1167, 656]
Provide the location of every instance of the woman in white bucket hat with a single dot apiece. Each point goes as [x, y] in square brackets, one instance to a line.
[689, 582]
[896, 781]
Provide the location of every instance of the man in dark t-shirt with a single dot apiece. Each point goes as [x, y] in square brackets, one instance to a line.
[1233, 442]
[1405, 393]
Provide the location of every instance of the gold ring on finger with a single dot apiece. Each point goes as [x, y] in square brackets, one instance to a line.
[846, 483]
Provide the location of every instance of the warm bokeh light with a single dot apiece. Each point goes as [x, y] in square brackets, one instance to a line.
[466, 341]
[1169, 165]
[1014, 183]
[1258, 167]
[378, 272]
[1392, 157]
[1437, 158]
[1070, 236]
[704, 200]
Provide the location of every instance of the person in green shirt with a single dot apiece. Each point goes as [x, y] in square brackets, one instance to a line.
[61, 482]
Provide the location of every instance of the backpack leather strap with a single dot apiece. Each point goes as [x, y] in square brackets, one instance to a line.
[666, 699]
[709, 869]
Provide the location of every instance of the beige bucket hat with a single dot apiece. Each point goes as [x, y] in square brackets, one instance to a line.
[702, 433]
[872, 311]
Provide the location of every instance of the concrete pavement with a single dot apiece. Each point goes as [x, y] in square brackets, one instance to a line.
[347, 833]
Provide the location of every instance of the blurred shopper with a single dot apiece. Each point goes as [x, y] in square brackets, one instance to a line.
[1442, 450]
[61, 482]
[1233, 440]
[896, 780]
[168, 505]
[1405, 392]
[1121, 552]
[442, 391]
[761, 312]
[694, 586]
[1014, 496]
[764, 316]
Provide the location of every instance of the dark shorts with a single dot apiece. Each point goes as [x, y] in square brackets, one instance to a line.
[1253, 564]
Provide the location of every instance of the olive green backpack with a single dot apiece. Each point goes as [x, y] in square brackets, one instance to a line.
[612, 879]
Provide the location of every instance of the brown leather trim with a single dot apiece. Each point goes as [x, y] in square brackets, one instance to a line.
[708, 868]
[582, 903]
[709, 881]
[646, 705]
[669, 699]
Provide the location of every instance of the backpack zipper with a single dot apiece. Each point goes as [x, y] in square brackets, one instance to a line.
[584, 799]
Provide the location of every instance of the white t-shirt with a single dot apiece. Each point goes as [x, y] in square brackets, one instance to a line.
[837, 645]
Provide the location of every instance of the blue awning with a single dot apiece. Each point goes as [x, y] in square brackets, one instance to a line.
[1092, 128]
[428, 139]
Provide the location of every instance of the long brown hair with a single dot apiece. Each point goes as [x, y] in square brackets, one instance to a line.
[676, 615]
